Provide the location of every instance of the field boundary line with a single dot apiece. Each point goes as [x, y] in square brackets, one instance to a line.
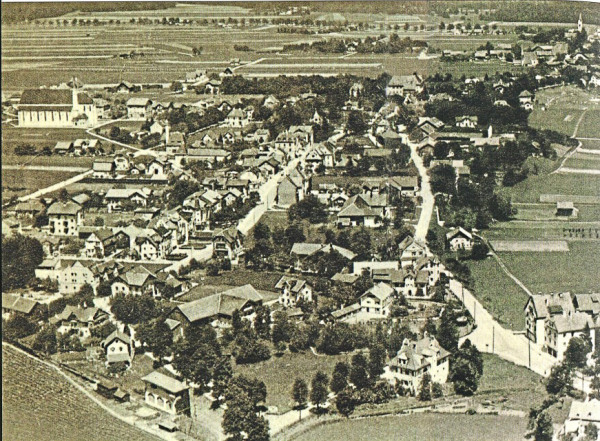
[505, 268]
[89, 394]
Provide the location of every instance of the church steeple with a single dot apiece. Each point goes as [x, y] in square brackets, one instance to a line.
[580, 23]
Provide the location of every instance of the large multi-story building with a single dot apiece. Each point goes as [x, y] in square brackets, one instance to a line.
[416, 358]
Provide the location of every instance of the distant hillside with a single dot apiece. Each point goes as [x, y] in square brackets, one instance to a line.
[39, 404]
[15, 12]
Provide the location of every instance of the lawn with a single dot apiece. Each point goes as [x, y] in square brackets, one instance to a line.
[38, 403]
[587, 164]
[521, 387]
[560, 119]
[575, 271]
[423, 427]
[20, 182]
[57, 161]
[498, 293]
[279, 373]
[590, 125]
[531, 188]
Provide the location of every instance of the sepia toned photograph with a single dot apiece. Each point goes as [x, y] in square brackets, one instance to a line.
[301, 220]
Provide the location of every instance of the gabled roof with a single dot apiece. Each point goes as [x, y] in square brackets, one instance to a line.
[82, 315]
[124, 193]
[60, 208]
[138, 102]
[308, 249]
[357, 206]
[295, 285]
[116, 335]
[382, 291]
[61, 97]
[137, 276]
[224, 303]
[165, 382]
[14, 302]
[460, 231]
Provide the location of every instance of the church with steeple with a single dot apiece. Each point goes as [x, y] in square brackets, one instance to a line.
[57, 108]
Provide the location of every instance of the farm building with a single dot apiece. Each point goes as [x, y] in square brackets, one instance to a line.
[566, 208]
[56, 108]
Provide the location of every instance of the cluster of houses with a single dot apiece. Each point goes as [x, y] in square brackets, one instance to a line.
[551, 320]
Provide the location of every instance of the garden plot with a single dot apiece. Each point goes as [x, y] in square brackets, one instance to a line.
[530, 246]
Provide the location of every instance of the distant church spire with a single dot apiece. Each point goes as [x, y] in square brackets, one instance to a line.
[580, 23]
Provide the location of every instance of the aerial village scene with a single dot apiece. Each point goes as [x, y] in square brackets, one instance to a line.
[301, 221]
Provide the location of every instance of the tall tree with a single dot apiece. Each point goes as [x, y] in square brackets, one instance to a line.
[376, 360]
[319, 389]
[262, 322]
[358, 372]
[21, 255]
[300, 394]
[425, 388]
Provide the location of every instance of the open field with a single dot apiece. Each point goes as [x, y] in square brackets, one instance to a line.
[21, 182]
[583, 163]
[50, 161]
[521, 387]
[56, 53]
[423, 427]
[516, 246]
[37, 403]
[590, 125]
[531, 188]
[279, 373]
[498, 293]
[574, 271]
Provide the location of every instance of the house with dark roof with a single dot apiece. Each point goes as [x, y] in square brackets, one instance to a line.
[136, 281]
[459, 239]
[292, 289]
[228, 243]
[166, 393]
[363, 210]
[64, 218]
[415, 359]
[79, 321]
[56, 108]
[100, 243]
[119, 348]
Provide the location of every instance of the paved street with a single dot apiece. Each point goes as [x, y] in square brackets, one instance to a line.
[490, 337]
[425, 193]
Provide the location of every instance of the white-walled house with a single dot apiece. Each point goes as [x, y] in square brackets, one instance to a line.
[415, 359]
[118, 348]
[291, 290]
[65, 218]
[459, 239]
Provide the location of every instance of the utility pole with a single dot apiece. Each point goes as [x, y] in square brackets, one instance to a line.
[493, 338]
[529, 350]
